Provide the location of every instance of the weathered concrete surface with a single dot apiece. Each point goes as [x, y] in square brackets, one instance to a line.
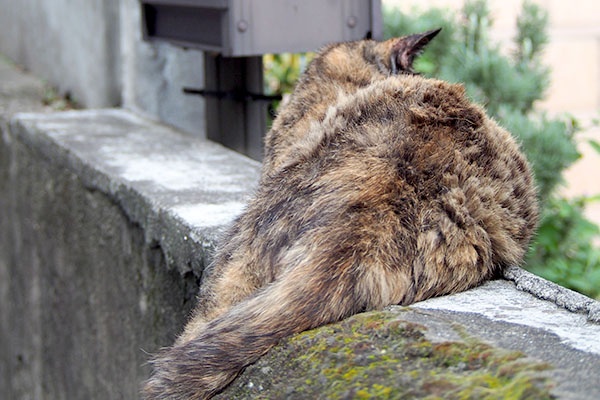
[94, 51]
[179, 189]
[18, 92]
[74, 45]
[82, 293]
[154, 74]
[398, 354]
[106, 223]
[501, 314]
[493, 342]
[546, 290]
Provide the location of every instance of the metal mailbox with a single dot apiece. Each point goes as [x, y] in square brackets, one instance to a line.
[235, 33]
[237, 28]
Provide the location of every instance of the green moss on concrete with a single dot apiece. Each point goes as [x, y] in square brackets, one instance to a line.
[376, 355]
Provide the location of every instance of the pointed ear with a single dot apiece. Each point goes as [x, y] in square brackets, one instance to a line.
[407, 48]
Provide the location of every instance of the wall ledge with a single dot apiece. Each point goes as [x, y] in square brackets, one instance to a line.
[182, 191]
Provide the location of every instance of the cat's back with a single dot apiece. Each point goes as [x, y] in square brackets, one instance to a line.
[413, 164]
[466, 175]
[424, 124]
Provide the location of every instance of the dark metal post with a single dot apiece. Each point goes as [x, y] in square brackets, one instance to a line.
[236, 121]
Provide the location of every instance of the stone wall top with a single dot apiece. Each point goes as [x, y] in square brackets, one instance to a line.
[182, 191]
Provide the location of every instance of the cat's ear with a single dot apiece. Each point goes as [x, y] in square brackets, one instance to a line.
[407, 48]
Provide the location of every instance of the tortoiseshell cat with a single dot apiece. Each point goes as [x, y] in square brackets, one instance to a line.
[378, 187]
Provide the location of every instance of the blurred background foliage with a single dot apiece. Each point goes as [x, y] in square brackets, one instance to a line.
[566, 248]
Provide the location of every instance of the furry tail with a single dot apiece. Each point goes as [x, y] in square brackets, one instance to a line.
[306, 296]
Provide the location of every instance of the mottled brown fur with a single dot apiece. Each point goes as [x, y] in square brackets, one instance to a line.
[377, 188]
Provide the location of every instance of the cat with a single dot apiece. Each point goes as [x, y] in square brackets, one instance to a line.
[378, 187]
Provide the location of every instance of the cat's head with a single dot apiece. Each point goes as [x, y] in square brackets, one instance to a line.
[363, 61]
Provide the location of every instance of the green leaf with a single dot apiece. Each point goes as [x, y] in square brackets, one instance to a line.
[595, 145]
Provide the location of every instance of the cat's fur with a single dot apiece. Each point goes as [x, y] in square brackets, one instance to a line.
[378, 187]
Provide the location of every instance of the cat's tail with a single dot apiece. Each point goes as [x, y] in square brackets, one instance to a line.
[312, 293]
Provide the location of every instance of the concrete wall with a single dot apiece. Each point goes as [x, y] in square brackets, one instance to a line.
[93, 51]
[83, 294]
[153, 75]
[71, 44]
[107, 221]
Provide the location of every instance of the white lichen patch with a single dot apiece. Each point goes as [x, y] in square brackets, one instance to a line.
[172, 173]
[204, 215]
